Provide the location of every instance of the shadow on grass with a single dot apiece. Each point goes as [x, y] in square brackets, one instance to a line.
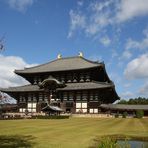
[16, 141]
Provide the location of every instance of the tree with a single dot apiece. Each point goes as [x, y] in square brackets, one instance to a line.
[124, 115]
[1, 96]
[5, 98]
[122, 102]
[139, 113]
[138, 100]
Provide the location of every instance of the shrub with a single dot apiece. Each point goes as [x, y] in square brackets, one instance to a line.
[107, 143]
[124, 115]
[110, 142]
[117, 115]
[139, 113]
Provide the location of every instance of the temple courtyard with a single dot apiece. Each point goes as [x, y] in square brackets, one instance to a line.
[67, 133]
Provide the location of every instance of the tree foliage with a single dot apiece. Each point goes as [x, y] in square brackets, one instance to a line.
[139, 114]
[138, 100]
[124, 115]
[6, 99]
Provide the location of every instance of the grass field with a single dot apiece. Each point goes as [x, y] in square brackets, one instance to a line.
[66, 133]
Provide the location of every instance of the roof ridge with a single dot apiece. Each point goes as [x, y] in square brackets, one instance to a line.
[62, 64]
[47, 63]
[94, 62]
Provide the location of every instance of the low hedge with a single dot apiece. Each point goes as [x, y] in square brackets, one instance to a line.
[50, 117]
[11, 118]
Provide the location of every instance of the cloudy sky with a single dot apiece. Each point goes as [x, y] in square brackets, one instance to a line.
[113, 31]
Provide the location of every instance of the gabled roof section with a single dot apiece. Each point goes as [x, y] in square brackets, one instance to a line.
[51, 83]
[62, 64]
[52, 108]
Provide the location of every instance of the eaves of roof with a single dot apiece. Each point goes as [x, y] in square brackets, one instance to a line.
[68, 86]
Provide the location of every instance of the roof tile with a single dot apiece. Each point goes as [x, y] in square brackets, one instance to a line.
[63, 64]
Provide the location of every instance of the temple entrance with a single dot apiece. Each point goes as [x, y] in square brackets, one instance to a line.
[50, 85]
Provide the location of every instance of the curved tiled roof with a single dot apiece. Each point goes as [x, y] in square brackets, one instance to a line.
[124, 107]
[24, 88]
[88, 85]
[69, 86]
[62, 64]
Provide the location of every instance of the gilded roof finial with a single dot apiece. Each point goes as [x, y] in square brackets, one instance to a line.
[59, 56]
[80, 54]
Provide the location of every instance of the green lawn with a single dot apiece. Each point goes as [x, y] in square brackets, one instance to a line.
[66, 133]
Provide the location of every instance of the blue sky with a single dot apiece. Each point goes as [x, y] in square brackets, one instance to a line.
[113, 31]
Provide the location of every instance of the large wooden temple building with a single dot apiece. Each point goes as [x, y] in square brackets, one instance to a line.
[74, 84]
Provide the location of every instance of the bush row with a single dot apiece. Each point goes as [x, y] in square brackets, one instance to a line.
[11, 118]
[50, 117]
[139, 114]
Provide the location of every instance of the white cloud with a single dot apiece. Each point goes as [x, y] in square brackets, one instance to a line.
[126, 55]
[101, 14]
[77, 21]
[80, 3]
[99, 6]
[96, 17]
[7, 66]
[137, 68]
[100, 17]
[128, 9]
[130, 44]
[20, 5]
[142, 45]
[105, 40]
[134, 45]
[144, 89]
[126, 95]
[114, 53]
